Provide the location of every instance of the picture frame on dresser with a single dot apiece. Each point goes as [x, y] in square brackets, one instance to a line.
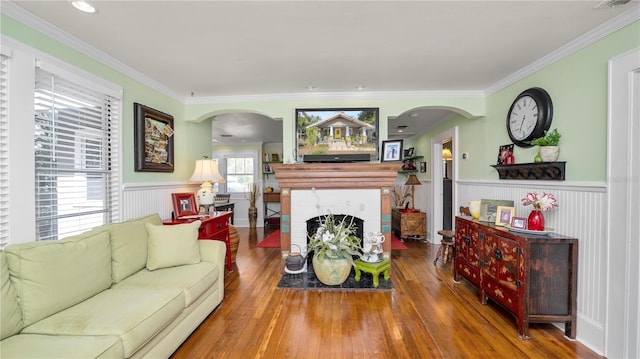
[504, 215]
[519, 223]
[489, 207]
[184, 205]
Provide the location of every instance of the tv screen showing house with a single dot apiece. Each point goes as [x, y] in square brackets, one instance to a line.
[337, 134]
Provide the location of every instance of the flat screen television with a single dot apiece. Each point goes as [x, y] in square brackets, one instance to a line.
[337, 134]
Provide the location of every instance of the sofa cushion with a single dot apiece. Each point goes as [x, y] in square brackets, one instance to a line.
[134, 315]
[50, 276]
[61, 346]
[129, 245]
[173, 245]
[192, 279]
[11, 322]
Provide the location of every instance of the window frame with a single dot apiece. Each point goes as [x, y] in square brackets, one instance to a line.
[222, 157]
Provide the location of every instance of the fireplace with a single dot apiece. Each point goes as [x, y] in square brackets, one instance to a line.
[307, 190]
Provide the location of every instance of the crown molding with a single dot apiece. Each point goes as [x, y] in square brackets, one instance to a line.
[332, 96]
[573, 46]
[17, 13]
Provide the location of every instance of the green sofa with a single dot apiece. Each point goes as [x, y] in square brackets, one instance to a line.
[126, 290]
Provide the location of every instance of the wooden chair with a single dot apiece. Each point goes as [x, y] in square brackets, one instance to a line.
[446, 246]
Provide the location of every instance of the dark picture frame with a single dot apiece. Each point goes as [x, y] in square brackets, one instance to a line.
[519, 222]
[391, 151]
[184, 204]
[423, 167]
[503, 152]
[153, 140]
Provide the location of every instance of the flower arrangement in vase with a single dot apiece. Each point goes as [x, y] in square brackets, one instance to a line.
[334, 244]
[535, 222]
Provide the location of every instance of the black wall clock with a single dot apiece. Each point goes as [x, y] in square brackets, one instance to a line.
[529, 116]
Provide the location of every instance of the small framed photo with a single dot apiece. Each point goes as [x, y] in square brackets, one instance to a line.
[266, 168]
[519, 222]
[391, 151]
[423, 167]
[504, 215]
[275, 157]
[184, 204]
[266, 157]
[504, 152]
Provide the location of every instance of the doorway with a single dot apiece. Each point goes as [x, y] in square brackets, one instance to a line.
[439, 170]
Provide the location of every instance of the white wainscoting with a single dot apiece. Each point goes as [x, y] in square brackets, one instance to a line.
[141, 199]
[581, 213]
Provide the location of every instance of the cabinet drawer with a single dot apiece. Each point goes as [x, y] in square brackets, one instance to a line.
[212, 228]
[501, 294]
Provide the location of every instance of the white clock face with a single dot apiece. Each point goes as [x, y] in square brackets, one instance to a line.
[523, 118]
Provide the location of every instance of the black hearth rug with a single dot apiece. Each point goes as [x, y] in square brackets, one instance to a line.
[308, 280]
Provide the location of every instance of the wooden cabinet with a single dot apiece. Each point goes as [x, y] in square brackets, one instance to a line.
[532, 276]
[214, 227]
[409, 224]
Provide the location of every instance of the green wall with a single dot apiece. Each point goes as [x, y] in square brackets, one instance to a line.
[192, 140]
[578, 88]
[577, 85]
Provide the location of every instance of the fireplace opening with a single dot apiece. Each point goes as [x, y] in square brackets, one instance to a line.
[314, 223]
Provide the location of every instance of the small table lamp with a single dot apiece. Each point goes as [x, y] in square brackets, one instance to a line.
[412, 181]
[206, 171]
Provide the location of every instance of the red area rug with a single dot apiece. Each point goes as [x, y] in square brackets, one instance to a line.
[273, 241]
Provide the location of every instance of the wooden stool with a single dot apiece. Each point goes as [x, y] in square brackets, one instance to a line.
[446, 246]
[374, 268]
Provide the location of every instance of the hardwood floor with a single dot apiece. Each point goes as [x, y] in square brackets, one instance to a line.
[427, 315]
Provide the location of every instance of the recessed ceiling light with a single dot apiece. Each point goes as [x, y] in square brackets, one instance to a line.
[84, 6]
[311, 87]
[359, 87]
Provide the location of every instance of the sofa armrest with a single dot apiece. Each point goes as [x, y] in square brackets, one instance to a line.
[213, 251]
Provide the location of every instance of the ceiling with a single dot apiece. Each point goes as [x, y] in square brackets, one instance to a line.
[195, 50]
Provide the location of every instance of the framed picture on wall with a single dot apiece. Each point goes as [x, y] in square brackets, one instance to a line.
[153, 140]
[423, 167]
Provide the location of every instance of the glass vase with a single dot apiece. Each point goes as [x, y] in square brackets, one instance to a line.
[535, 221]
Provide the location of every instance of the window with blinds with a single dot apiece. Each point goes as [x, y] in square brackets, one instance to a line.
[76, 157]
[4, 153]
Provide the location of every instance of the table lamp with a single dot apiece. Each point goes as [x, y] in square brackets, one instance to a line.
[206, 171]
[412, 181]
[446, 156]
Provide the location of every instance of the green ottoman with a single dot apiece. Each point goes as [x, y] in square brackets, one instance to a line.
[374, 268]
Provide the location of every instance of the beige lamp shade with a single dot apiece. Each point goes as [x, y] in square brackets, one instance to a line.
[206, 171]
[446, 154]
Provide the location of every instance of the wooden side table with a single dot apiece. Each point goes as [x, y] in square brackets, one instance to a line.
[409, 224]
[214, 227]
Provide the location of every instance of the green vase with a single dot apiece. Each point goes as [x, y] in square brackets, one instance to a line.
[331, 271]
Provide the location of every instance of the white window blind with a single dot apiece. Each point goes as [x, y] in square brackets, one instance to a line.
[4, 152]
[76, 157]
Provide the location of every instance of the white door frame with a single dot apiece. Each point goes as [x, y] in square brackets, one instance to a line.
[436, 179]
[622, 323]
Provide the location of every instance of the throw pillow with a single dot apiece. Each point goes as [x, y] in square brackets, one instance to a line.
[171, 246]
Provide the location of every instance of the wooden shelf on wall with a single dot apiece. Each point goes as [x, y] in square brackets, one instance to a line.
[551, 171]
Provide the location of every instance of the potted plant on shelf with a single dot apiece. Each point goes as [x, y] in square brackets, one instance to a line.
[334, 244]
[548, 143]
